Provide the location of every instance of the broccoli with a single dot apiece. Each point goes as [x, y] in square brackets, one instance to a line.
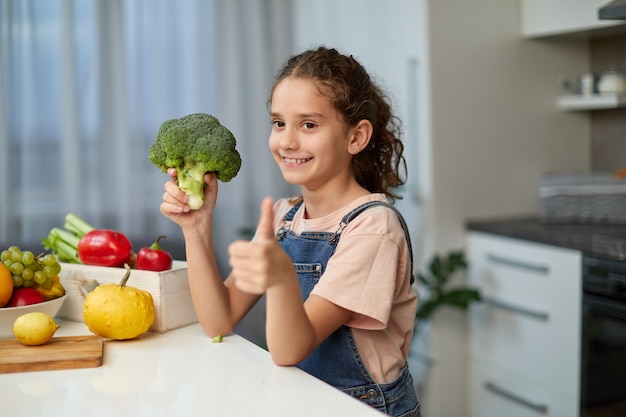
[194, 145]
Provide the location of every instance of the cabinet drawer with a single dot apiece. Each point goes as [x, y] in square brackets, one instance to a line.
[496, 393]
[529, 322]
[525, 274]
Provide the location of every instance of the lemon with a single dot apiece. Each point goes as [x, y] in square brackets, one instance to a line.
[33, 329]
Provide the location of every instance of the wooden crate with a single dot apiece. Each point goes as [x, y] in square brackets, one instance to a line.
[169, 290]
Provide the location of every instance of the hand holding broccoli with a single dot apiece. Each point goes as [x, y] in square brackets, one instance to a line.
[194, 145]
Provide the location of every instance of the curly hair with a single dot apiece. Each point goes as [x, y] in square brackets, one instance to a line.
[381, 166]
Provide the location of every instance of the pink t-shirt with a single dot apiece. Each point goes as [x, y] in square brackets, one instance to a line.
[368, 274]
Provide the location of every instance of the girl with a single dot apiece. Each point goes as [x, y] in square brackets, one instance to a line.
[335, 264]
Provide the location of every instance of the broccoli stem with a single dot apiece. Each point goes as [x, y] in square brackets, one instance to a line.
[194, 201]
[191, 181]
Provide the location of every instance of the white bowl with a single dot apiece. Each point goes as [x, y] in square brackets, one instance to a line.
[8, 315]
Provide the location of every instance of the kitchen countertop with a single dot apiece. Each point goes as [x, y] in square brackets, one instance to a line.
[179, 373]
[602, 240]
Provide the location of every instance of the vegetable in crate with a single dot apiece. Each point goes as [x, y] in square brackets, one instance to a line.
[194, 145]
[105, 247]
[64, 242]
[117, 311]
[154, 258]
[81, 243]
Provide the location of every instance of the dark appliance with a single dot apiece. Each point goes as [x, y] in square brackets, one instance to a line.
[615, 10]
[603, 347]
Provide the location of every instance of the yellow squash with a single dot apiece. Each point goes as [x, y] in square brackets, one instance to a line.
[117, 311]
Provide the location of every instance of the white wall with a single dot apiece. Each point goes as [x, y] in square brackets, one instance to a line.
[496, 127]
[495, 130]
[389, 39]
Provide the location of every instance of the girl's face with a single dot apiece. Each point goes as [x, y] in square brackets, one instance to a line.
[309, 139]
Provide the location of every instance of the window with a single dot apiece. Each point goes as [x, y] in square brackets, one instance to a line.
[85, 87]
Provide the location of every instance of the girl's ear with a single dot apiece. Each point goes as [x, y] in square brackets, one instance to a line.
[361, 135]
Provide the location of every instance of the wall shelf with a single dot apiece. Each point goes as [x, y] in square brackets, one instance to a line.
[577, 102]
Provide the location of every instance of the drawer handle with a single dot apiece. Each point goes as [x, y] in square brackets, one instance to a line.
[539, 315]
[539, 408]
[518, 264]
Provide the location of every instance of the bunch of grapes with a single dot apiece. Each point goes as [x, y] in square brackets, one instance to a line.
[29, 270]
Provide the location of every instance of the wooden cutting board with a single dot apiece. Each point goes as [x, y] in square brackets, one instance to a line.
[68, 352]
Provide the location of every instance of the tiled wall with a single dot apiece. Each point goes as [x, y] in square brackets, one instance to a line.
[608, 127]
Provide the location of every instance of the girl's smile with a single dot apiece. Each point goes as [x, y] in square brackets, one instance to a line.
[292, 161]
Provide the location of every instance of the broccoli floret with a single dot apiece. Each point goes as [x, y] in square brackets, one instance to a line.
[194, 145]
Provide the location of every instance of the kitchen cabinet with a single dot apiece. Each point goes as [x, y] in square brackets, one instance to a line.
[488, 396]
[577, 102]
[524, 338]
[541, 18]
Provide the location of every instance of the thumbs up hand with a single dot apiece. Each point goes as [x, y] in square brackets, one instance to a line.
[265, 228]
[259, 264]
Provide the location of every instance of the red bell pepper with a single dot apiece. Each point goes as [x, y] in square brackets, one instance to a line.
[104, 247]
[154, 258]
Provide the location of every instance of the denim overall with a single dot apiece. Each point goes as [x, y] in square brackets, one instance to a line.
[337, 360]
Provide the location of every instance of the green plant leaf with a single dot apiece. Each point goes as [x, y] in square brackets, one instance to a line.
[426, 309]
[460, 298]
[421, 278]
[442, 269]
[435, 268]
[457, 259]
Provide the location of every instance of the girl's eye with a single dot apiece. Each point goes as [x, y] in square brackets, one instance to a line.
[278, 123]
[309, 125]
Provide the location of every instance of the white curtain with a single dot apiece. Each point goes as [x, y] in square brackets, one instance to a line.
[85, 85]
[253, 38]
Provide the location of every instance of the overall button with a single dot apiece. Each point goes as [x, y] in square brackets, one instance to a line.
[372, 394]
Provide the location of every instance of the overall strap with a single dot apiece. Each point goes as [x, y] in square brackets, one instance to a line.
[292, 212]
[287, 218]
[350, 216]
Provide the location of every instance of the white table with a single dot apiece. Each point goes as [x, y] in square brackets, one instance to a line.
[179, 373]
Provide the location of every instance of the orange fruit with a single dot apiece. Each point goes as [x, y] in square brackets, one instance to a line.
[6, 285]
